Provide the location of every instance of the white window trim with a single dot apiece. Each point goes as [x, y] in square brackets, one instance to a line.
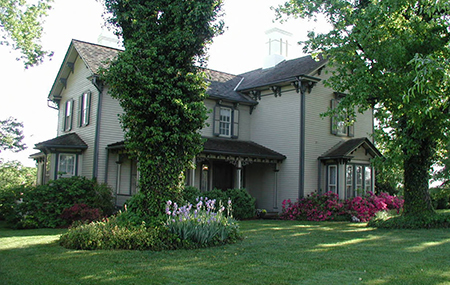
[68, 115]
[228, 123]
[335, 184]
[64, 173]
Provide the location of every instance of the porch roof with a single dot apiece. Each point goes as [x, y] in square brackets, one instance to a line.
[65, 142]
[228, 147]
[344, 150]
[236, 148]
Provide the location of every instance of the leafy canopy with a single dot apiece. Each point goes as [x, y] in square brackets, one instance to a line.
[21, 28]
[391, 56]
[11, 135]
[161, 89]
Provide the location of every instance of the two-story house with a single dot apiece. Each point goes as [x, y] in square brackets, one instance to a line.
[264, 132]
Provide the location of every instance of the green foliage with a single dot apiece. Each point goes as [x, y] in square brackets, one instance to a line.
[160, 88]
[427, 221]
[109, 234]
[13, 174]
[44, 204]
[393, 57]
[440, 198]
[11, 135]
[21, 28]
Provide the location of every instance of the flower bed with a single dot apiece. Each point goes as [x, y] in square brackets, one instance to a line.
[327, 206]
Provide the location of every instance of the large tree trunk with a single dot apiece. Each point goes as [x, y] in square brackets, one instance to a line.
[416, 174]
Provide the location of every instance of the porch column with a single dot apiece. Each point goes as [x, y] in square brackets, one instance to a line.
[192, 176]
[239, 174]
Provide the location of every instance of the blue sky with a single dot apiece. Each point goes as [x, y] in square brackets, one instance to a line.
[24, 92]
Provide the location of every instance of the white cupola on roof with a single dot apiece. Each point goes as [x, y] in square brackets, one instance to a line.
[277, 47]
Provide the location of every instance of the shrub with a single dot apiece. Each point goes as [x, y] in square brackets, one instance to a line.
[427, 221]
[440, 197]
[316, 207]
[81, 212]
[45, 203]
[202, 223]
[108, 234]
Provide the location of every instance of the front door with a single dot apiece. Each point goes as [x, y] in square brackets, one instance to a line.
[223, 175]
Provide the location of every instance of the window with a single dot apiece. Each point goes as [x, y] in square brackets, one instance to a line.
[332, 178]
[349, 191]
[340, 126]
[84, 109]
[66, 166]
[359, 176]
[68, 115]
[226, 121]
[368, 179]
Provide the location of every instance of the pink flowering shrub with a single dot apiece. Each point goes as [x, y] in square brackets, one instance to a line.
[327, 206]
[314, 207]
[364, 208]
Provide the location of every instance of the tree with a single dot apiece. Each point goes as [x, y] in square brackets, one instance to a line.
[13, 174]
[21, 28]
[11, 135]
[392, 56]
[160, 88]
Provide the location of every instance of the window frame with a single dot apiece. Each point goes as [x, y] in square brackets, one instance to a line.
[340, 127]
[233, 124]
[225, 125]
[84, 109]
[64, 173]
[68, 115]
[366, 183]
[331, 185]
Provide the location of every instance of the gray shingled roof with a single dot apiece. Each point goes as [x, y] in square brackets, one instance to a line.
[344, 150]
[222, 86]
[68, 141]
[284, 71]
[239, 148]
[95, 56]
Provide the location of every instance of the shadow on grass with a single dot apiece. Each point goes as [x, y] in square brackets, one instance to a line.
[273, 252]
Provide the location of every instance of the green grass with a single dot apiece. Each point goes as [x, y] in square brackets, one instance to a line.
[273, 252]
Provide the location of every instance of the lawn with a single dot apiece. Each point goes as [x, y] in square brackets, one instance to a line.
[273, 252]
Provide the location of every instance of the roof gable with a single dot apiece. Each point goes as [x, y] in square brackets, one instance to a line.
[345, 149]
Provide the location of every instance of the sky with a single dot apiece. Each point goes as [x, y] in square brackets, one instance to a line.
[24, 92]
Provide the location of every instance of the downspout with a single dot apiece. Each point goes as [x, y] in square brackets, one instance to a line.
[301, 182]
[99, 86]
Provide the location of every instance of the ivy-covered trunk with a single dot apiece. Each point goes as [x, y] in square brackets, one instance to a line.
[416, 167]
[161, 89]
